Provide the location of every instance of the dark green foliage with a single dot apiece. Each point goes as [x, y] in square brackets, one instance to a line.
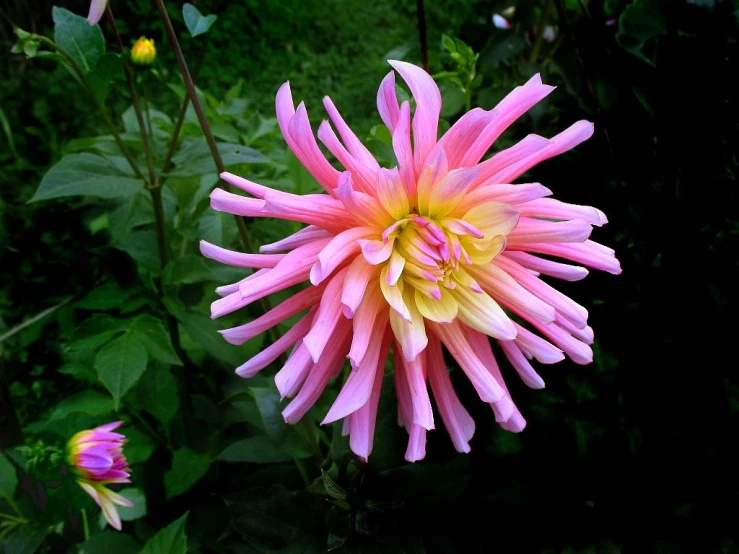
[634, 453]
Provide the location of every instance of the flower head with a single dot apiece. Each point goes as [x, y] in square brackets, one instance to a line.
[96, 456]
[143, 51]
[439, 251]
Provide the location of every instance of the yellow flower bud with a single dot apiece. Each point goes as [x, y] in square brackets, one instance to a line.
[143, 51]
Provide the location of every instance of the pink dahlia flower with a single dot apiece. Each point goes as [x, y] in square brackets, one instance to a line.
[96, 456]
[440, 251]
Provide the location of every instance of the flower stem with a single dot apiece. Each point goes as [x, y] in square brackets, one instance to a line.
[134, 99]
[106, 119]
[85, 526]
[180, 120]
[192, 93]
[421, 15]
[210, 139]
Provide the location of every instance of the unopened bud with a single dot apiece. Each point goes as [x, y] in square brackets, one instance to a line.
[143, 52]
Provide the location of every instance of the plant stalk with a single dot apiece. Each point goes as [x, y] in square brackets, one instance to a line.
[192, 93]
[210, 139]
[134, 100]
[421, 15]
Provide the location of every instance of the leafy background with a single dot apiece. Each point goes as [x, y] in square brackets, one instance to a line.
[634, 453]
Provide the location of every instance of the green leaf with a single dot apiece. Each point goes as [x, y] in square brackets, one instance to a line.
[203, 331]
[91, 334]
[108, 68]
[156, 393]
[8, 478]
[271, 519]
[151, 332]
[110, 541]
[138, 498]
[170, 540]
[187, 469]
[26, 539]
[139, 447]
[287, 437]
[83, 42]
[332, 487]
[640, 22]
[257, 450]
[188, 270]
[139, 244]
[120, 365]
[105, 297]
[196, 22]
[85, 175]
[88, 402]
[196, 159]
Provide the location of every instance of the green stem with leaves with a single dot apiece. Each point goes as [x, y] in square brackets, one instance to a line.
[98, 105]
[205, 126]
[85, 525]
[202, 119]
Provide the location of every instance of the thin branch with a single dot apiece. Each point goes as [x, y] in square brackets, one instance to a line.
[192, 93]
[421, 14]
[134, 97]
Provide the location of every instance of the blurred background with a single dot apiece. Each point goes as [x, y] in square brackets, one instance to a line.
[633, 453]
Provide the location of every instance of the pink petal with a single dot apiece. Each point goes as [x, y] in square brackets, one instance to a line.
[296, 129]
[410, 333]
[587, 253]
[428, 106]
[364, 324]
[463, 134]
[547, 267]
[319, 376]
[97, 8]
[238, 259]
[363, 175]
[566, 140]
[358, 387]
[387, 102]
[457, 421]
[358, 275]
[362, 422]
[291, 270]
[327, 317]
[455, 341]
[521, 365]
[353, 144]
[404, 151]
[364, 208]
[293, 374]
[498, 284]
[506, 194]
[288, 308]
[548, 208]
[416, 444]
[302, 237]
[337, 251]
[537, 230]
[563, 304]
[508, 110]
[415, 372]
[496, 169]
[274, 350]
[537, 347]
